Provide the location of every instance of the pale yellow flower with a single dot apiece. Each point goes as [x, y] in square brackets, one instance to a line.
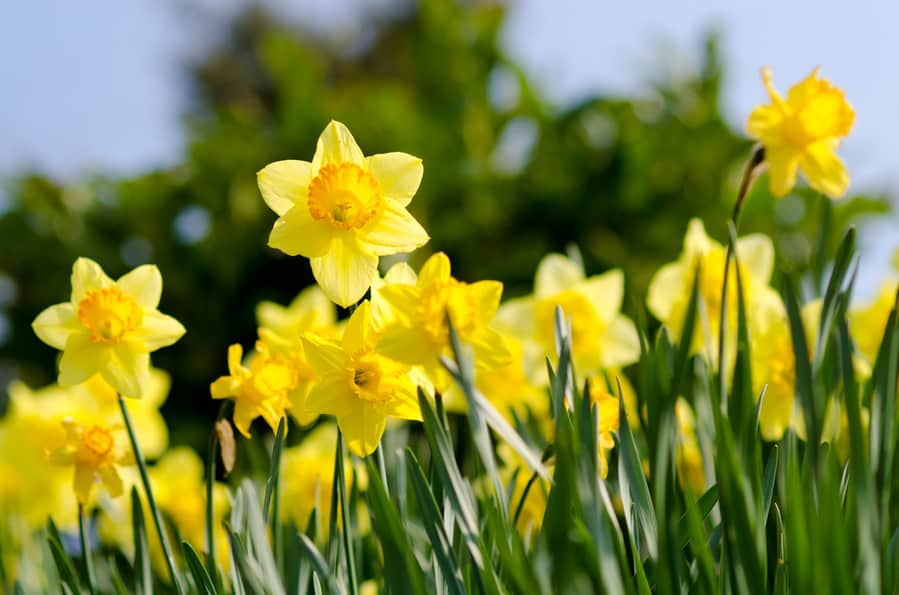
[109, 327]
[868, 323]
[358, 384]
[343, 211]
[803, 132]
[689, 462]
[607, 406]
[95, 452]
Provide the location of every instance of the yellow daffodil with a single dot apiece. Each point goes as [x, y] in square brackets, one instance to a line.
[601, 337]
[533, 507]
[343, 211]
[868, 323]
[689, 462]
[307, 476]
[262, 387]
[803, 132]
[509, 387]
[419, 333]
[358, 384]
[607, 408]
[95, 452]
[669, 290]
[109, 327]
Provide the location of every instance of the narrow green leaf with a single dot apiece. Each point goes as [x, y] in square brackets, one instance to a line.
[634, 490]
[143, 572]
[64, 565]
[202, 581]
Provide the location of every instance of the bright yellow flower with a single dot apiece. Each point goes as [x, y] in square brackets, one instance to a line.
[343, 211]
[419, 334]
[669, 290]
[358, 384]
[509, 388]
[109, 327]
[690, 469]
[868, 323]
[262, 387]
[601, 337]
[307, 477]
[608, 409]
[803, 132]
[534, 505]
[95, 452]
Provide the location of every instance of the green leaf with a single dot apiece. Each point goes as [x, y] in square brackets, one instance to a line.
[201, 578]
[64, 565]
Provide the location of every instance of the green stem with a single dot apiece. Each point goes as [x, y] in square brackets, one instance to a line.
[382, 467]
[86, 551]
[151, 501]
[345, 515]
[210, 506]
[272, 501]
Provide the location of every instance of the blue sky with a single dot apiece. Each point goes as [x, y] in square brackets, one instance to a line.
[97, 85]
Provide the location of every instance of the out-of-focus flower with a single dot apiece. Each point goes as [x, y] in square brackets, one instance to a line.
[307, 476]
[868, 322]
[343, 211]
[669, 290]
[95, 452]
[601, 337]
[690, 471]
[803, 132]
[509, 388]
[259, 388]
[419, 333]
[532, 503]
[607, 406]
[109, 327]
[358, 384]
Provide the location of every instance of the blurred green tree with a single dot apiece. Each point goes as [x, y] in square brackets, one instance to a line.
[508, 177]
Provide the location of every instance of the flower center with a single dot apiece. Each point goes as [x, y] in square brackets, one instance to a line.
[344, 195]
[273, 377]
[96, 446]
[441, 298]
[108, 314]
[375, 378]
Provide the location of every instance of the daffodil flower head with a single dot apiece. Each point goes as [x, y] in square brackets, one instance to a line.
[868, 322]
[420, 334]
[260, 388]
[95, 452]
[803, 132]
[109, 327]
[358, 384]
[609, 418]
[343, 210]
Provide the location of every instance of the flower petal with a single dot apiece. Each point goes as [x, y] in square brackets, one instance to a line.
[284, 184]
[112, 481]
[620, 344]
[824, 171]
[399, 175]
[783, 164]
[356, 335]
[331, 396]
[490, 349]
[87, 275]
[224, 387]
[127, 370]
[323, 355]
[54, 325]
[244, 414]
[486, 296]
[157, 330]
[436, 269]
[81, 359]
[297, 233]
[409, 345]
[144, 284]
[517, 317]
[345, 272]
[756, 255]
[556, 273]
[395, 230]
[605, 292]
[336, 145]
[667, 286]
[362, 428]
[83, 483]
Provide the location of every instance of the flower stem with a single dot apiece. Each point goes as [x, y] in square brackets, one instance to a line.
[210, 506]
[347, 529]
[151, 501]
[86, 551]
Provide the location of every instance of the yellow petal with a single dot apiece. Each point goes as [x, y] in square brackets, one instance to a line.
[490, 349]
[157, 330]
[54, 325]
[81, 359]
[362, 429]
[127, 370]
[357, 332]
[84, 481]
[696, 242]
[399, 175]
[395, 230]
[756, 255]
[244, 414]
[405, 404]
[783, 165]
[408, 345]
[323, 355]
[619, 344]
[436, 269]
[284, 184]
[400, 273]
[297, 233]
[144, 284]
[400, 300]
[766, 124]
[824, 171]
[775, 414]
[336, 145]
[345, 272]
[665, 288]
[224, 387]
[517, 317]
[605, 292]
[331, 396]
[87, 275]
[235, 359]
[556, 273]
[486, 296]
[111, 480]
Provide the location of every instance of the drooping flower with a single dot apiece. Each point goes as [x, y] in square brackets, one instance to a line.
[669, 291]
[358, 384]
[343, 211]
[109, 327]
[262, 387]
[419, 333]
[601, 336]
[803, 132]
[95, 451]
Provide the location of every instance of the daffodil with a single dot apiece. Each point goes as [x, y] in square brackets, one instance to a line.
[509, 388]
[607, 407]
[867, 323]
[419, 333]
[669, 290]
[803, 132]
[109, 327]
[689, 462]
[262, 387]
[358, 384]
[533, 502]
[95, 452]
[601, 337]
[343, 210]
[307, 476]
